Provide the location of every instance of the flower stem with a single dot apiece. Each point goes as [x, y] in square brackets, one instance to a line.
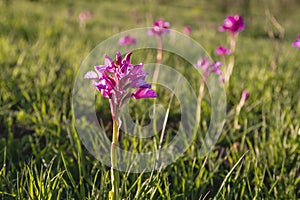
[114, 193]
[237, 113]
[158, 61]
[200, 97]
[230, 66]
[236, 118]
[223, 61]
[155, 75]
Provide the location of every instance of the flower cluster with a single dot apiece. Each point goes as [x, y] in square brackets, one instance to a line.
[159, 27]
[233, 24]
[127, 41]
[208, 67]
[114, 79]
[296, 43]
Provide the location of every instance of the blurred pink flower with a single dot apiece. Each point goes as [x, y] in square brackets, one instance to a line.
[83, 16]
[245, 95]
[220, 50]
[127, 41]
[214, 67]
[134, 15]
[203, 63]
[296, 43]
[187, 30]
[159, 27]
[233, 24]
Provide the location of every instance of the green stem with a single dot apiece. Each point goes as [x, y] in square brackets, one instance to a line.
[236, 118]
[114, 193]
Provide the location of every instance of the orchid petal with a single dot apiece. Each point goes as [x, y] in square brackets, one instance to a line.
[144, 93]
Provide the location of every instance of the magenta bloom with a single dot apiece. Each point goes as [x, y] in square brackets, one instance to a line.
[127, 41]
[296, 43]
[159, 27]
[187, 30]
[209, 67]
[233, 24]
[114, 79]
[220, 50]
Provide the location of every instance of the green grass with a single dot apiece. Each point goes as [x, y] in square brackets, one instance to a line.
[41, 155]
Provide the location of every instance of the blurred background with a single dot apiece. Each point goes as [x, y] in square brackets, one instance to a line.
[43, 43]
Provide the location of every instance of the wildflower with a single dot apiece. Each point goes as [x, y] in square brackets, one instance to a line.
[83, 16]
[216, 68]
[203, 64]
[208, 67]
[296, 43]
[245, 95]
[187, 30]
[220, 50]
[159, 27]
[115, 78]
[127, 41]
[233, 24]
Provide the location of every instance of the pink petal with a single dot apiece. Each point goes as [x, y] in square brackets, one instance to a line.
[91, 75]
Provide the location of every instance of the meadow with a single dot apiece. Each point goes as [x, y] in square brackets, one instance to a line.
[42, 46]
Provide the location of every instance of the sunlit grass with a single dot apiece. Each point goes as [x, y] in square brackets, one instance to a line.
[41, 155]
